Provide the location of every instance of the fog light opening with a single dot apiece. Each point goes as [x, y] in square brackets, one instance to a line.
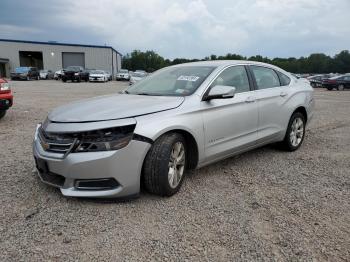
[96, 184]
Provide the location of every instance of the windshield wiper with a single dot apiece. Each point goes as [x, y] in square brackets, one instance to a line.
[145, 94]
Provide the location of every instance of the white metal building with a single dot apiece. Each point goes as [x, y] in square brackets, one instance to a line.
[54, 56]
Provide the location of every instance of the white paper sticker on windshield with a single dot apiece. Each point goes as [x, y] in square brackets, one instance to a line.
[188, 78]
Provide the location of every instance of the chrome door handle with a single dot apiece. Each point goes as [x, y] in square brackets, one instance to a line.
[250, 99]
[283, 94]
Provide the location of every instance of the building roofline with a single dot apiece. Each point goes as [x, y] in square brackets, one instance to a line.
[56, 43]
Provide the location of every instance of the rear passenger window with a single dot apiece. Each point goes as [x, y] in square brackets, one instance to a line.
[265, 77]
[235, 76]
[285, 80]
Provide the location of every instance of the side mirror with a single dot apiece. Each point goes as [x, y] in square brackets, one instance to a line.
[220, 92]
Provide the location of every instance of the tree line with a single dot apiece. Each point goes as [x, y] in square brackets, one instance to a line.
[315, 63]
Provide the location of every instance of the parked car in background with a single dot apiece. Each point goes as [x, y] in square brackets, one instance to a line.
[109, 75]
[316, 80]
[46, 74]
[86, 73]
[25, 73]
[98, 76]
[137, 76]
[338, 82]
[75, 73]
[6, 97]
[179, 118]
[58, 74]
[123, 74]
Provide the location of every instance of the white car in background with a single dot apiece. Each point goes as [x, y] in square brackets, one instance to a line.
[137, 76]
[108, 75]
[58, 74]
[46, 74]
[123, 74]
[98, 76]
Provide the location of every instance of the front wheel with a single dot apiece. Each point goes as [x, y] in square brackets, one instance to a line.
[164, 166]
[295, 132]
[329, 88]
[2, 113]
[341, 87]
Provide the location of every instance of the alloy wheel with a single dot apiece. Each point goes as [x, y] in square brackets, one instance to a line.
[176, 164]
[297, 132]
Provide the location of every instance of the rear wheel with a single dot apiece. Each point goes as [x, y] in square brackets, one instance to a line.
[164, 166]
[329, 88]
[341, 87]
[2, 113]
[295, 132]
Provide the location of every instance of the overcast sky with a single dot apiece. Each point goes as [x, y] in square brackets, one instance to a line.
[185, 28]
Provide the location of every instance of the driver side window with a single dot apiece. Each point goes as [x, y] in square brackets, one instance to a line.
[235, 76]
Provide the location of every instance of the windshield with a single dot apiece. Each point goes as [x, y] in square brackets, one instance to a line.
[99, 72]
[73, 68]
[43, 71]
[138, 74]
[172, 81]
[123, 71]
[22, 69]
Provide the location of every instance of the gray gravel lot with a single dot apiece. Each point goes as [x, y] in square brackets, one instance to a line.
[262, 205]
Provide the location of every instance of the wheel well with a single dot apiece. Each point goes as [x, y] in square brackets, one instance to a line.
[301, 110]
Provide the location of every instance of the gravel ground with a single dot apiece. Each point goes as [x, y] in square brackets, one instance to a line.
[261, 205]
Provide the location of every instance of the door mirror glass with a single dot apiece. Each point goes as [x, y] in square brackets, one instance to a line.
[220, 92]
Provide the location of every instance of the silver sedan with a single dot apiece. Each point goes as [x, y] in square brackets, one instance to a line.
[179, 118]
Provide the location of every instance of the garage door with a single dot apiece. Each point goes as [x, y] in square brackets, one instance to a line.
[73, 59]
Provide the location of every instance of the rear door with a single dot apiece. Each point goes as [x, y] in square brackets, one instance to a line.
[230, 125]
[271, 96]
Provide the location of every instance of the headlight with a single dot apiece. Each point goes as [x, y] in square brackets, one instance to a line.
[76, 74]
[105, 139]
[5, 87]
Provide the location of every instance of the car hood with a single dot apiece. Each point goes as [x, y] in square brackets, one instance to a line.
[113, 107]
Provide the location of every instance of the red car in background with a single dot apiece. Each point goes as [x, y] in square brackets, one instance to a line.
[6, 97]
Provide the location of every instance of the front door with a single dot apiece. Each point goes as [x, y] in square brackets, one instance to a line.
[230, 125]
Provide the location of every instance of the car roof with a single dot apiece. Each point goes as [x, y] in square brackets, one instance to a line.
[224, 63]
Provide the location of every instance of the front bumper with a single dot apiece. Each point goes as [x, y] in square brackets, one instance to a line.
[6, 101]
[98, 79]
[124, 166]
[18, 77]
[123, 78]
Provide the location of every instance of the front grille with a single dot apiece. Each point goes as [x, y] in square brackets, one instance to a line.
[56, 143]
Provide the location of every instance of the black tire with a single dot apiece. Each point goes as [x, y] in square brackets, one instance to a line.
[329, 88]
[78, 80]
[156, 165]
[64, 80]
[2, 113]
[287, 143]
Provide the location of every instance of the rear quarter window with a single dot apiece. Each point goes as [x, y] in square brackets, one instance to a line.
[285, 80]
